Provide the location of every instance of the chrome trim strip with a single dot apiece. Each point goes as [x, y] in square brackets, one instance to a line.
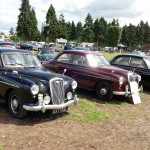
[127, 93]
[10, 84]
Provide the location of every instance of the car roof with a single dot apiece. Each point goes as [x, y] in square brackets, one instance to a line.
[4, 49]
[134, 55]
[80, 52]
[7, 43]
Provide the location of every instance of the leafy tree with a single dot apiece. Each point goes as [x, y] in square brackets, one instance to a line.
[140, 34]
[88, 34]
[2, 33]
[51, 27]
[146, 33]
[68, 27]
[15, 38]
[125, 36]
[114, 35]
[100, 31]
[132, 32]
[63, 30]
[24, 22]
[115, 22]
[11, 31]
[34, 32]
[73, 35]
[79, 30]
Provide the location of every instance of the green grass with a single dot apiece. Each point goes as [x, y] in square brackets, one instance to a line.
[1, 148]
[110, 56]
[128, 117]
[87, 112]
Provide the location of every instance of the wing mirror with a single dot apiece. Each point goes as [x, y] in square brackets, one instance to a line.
[65, 70]
[14, 72]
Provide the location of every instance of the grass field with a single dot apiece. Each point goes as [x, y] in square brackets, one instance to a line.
[110, 56]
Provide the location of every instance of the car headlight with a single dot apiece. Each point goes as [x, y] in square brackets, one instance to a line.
[47, 99]
[69, 95]
[121, 80]
[74, 85]
[34, 89]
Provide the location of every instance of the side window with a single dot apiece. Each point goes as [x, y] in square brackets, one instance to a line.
[137, 62]
[122, 61]
[65, 58]
[79, 60]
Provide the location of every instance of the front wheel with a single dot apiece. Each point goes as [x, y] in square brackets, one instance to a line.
[104, 91]
[15, 105]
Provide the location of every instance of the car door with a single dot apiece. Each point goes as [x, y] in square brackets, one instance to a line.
[62, 62]
[3, 81]
[80, 71]
[76, 65]
[140, 67]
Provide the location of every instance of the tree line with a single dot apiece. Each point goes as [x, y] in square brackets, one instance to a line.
[98, 31]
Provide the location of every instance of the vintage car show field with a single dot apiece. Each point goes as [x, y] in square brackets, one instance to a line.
[92, 124]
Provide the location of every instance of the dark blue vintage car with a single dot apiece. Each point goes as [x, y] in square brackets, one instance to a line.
[26, 86]
[134, 62]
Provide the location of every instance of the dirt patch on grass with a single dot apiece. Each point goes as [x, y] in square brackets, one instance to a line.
[128, 127]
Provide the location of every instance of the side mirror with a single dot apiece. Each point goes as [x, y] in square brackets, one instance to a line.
[14, 72]
[65, 70]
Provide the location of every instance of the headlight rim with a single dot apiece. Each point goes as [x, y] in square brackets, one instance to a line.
[34, 89]
[121, 80]
[74, 85]
[70, 96]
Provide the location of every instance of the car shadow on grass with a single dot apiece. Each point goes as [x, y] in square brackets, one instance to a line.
[91, 96]
[31, 117]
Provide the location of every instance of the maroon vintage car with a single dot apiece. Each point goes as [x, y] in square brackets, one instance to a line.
[93, 72]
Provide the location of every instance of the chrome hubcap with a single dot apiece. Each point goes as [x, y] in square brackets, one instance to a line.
[14, 104]
[103, 91]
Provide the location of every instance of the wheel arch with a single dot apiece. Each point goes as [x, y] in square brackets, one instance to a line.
[7, 93]
[98, 82]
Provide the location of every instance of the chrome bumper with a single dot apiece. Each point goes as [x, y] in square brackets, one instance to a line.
[41, 106]
[127, 92]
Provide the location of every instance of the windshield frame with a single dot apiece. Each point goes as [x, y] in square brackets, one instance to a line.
[147, 60]
[15, 64]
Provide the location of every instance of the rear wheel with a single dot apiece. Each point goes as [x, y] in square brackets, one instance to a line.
[104, 91]
[15, 105]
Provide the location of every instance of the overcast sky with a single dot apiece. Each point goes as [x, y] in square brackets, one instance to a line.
[126, 11]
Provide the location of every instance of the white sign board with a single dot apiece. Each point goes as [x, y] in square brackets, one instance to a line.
[135, 93]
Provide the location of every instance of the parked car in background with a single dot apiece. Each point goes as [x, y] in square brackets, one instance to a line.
[80, 48]
[134, 62]
[138, 52]
[26, 86]
[9, 45]
[26, 46]
[46, 54]
[93, 72]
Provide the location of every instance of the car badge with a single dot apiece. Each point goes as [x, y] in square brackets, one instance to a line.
[57, 82]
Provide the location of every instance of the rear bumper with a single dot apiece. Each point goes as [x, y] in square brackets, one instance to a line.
[127, 92]
[41, 106]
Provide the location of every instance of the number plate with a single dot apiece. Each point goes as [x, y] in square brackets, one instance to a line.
[135, 93]
[57, 111]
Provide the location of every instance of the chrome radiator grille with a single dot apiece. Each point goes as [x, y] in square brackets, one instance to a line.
[131, 77]
[57, 90]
